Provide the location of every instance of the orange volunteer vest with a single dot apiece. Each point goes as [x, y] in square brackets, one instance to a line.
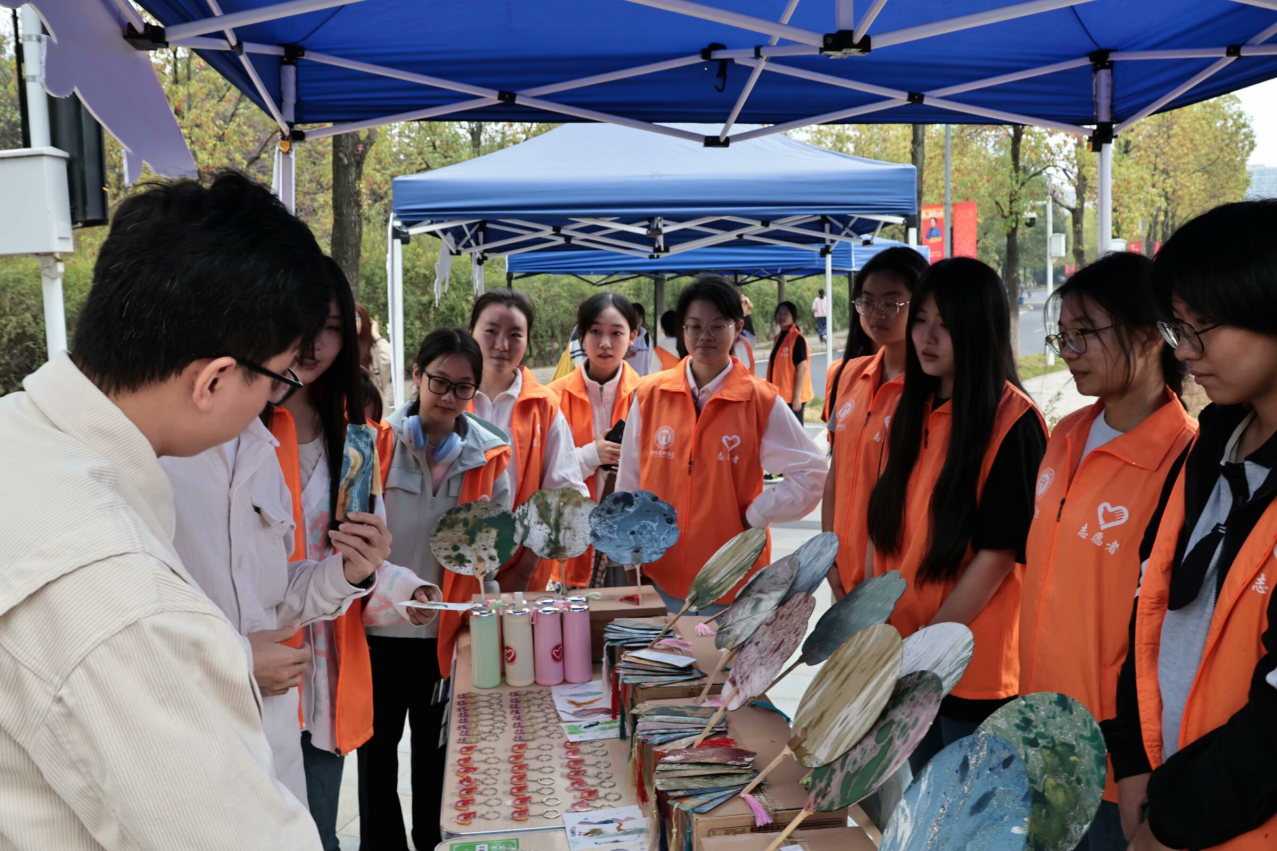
[713, 456]
[781, 371]
[668, 360]
[476, 486]
[534, 412]
[352, 725]
[994, 670]
[1083, 553]
[574, 400]
[865, 404]
[1233, 643]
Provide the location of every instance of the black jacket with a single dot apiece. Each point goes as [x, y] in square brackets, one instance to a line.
[1225, 783]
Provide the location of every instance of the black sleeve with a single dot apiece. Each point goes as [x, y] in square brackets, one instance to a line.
[1225, 783]
[1123, 734]
[800, 349]
[1006, 504]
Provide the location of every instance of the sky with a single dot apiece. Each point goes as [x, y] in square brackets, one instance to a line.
[1260, 102]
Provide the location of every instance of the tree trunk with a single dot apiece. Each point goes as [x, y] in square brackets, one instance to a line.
[1012, 268]
[350, 150]
[476, 138]
[1080, 188]
[918, 156]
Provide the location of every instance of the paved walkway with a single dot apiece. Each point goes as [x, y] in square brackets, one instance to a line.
[1056, 395]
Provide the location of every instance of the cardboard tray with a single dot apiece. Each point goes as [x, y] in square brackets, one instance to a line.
[825, 839]
[765, 733]
[618, 758]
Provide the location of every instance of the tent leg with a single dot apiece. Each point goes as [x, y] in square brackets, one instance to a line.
[1104, 215]
[395, 309]
[284, 179]
[780, 288]
[55, 322]
[658, 305]
[829, 314]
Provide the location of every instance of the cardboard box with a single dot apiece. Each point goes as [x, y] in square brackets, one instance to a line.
[765, 733]
[609, 608]
[831, 839]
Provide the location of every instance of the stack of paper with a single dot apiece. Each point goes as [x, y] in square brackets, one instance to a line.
[699, 779]
[654, 667]
[629, 633]
[674, 726]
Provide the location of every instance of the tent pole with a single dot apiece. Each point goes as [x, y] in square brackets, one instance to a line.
[948, 187]
[829, 314]
[658, 305]
[218, 21]
[966, 22]
[1104, 119]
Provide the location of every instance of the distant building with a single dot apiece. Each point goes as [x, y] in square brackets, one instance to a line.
[1263, 182]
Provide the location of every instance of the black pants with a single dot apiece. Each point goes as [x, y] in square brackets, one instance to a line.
[405, 672]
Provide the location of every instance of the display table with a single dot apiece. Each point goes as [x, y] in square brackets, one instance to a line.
[609, 771]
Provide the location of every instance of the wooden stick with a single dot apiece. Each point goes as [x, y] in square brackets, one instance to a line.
[786, 673]
[723, 659]
[790, 828]
[638, 570]
[668, 626]
[722, 709]
[780, 757]
[709, 620]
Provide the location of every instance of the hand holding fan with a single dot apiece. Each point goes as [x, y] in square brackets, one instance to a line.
[723, 570]
[867, 604]
[1064, 753]
[772, 644]
[753, 605]
[555, 524]
[633, 527]
[474, 539]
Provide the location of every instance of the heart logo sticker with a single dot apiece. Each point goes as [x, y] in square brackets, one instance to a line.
[731, 441]
[1045, 480]
[556, 653]
[510, 655]
[1111, 515]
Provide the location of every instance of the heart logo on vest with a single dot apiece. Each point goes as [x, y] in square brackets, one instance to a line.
[1045, 480]
[665, 437]
[1111, 516]
[556, 654]
[846, 409]
[731, 441]
[510, 655]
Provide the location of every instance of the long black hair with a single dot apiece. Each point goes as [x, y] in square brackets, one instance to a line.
[903, 264]
[973, 302]
[338, 394]
[1121, 284]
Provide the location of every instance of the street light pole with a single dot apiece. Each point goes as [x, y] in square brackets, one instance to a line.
[1050, 274]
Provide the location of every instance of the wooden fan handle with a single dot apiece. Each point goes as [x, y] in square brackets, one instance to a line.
[712, 721]
[723, 659]
[780, 757]
[670, 625]
[790, 828]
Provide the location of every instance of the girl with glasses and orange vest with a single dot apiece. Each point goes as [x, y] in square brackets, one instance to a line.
[701, 436]
[1194, 741]
[336, 691]
[863, 389]
[952, 508]
[1096, 491]
[443, 458]
[789, 366]
[595, 397]
[542, 452]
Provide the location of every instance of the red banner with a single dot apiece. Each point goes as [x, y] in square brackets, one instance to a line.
[965, 227]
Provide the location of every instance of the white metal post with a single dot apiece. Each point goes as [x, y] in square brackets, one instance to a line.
[1105, 209]
[51, 268]
[948, 200]
[829, 312]
[1050, 271]
[284, 176]
[396, 318]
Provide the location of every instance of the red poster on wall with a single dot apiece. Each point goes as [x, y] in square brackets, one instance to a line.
[965, 227]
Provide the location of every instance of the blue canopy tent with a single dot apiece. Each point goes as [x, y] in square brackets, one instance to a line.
[745, 263]
[603, 188]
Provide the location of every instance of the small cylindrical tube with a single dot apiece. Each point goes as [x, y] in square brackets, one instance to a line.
[549, 646]
[485, 647]
[516, 628]
[578, 655]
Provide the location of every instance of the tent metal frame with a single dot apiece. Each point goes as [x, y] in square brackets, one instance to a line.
[851, 36]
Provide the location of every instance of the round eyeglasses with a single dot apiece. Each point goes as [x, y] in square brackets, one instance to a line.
[885, 309]
[1176, 332]
[1074, 338]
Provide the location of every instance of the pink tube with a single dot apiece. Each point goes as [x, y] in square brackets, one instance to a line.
[578, 656]
[548, 641]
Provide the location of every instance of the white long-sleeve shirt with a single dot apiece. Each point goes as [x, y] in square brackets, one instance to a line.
[784, 450]
[560, 469]
[602, 401]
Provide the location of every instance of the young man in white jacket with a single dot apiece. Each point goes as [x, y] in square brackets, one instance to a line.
[129, 717]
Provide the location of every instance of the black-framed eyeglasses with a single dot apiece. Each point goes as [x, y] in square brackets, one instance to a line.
[885, 309]
[441, 386]
[1175, 332]
[1074, 338]
[282, 386]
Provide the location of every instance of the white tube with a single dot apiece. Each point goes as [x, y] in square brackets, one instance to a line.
[33, 77]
